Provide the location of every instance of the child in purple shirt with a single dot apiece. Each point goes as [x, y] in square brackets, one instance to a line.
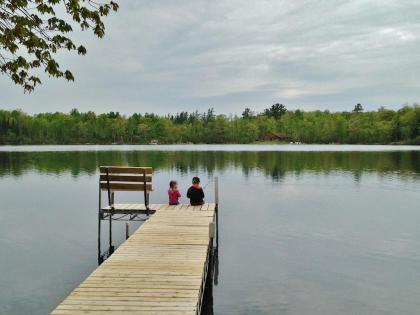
[173, 193]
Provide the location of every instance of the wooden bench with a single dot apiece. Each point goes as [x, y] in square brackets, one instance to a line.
[125, 178]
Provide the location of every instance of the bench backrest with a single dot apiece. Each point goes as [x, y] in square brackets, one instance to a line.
[125, 178]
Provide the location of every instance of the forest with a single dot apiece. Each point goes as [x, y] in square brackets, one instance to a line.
[276, 123]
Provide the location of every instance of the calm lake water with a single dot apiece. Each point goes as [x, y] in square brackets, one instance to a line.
[304, 229]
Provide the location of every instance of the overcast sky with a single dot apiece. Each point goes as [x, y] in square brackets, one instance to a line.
[167, 56]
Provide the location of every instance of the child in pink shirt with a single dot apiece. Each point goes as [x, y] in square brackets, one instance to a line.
[173, 193]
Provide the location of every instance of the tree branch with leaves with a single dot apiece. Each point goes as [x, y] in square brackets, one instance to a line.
[32, 32]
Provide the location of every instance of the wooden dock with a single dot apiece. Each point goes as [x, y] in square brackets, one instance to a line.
[160, 269]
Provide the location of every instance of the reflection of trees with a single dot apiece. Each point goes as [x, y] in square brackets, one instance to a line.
[272, 164]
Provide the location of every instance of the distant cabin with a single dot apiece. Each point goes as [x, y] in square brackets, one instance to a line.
[274, 136]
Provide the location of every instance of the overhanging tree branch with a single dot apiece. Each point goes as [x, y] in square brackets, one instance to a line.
[32, 33]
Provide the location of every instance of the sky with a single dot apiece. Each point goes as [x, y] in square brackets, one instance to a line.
[167, 56]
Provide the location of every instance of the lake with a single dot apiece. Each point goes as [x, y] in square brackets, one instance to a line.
[304, 229]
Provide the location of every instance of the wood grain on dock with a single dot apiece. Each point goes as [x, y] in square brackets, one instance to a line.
[160, 269]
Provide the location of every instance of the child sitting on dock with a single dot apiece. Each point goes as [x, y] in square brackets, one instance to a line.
[173, 193]
[196, 193]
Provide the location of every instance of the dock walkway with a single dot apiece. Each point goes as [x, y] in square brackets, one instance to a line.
[160, 269]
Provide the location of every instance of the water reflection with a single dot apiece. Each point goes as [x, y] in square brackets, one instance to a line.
[273, 164]
[212, 279]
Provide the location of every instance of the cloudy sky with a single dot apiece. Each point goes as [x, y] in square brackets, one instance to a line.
[167, 56]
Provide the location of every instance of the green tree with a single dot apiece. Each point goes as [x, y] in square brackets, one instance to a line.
[32, 32]
[247, 113]
[275, 111]
[358, 108]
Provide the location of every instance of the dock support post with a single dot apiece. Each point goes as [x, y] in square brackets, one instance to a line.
[207, 299]
[111, 247]
[127, 230]
[216, 198]
[100, 258]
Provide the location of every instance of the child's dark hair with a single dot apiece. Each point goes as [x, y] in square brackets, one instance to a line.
[172, 183]
[196, 180]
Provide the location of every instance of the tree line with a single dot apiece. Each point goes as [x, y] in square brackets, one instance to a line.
[383, 126]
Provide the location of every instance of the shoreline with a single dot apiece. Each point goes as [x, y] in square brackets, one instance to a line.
[259, 147]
